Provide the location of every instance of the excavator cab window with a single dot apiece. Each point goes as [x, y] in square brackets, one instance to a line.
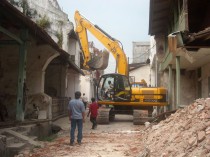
[114, 87]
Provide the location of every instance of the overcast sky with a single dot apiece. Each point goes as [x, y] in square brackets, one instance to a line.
[125, 20]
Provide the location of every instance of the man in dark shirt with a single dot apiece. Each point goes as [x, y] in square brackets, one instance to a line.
[93, 112]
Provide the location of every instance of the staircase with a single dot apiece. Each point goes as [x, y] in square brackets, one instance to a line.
[13, 140]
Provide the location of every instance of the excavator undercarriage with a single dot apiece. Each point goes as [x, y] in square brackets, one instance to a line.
[140, 115]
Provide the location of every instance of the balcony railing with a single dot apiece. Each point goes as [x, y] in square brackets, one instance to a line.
[59, 106]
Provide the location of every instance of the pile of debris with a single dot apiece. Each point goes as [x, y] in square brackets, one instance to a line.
[185, 133]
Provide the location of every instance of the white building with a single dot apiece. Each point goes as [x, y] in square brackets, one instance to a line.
[140, 52]
[61, 30]
[141, 72]
[140, 68]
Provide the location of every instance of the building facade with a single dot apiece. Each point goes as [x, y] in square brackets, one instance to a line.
[181, 34]
[38, 70]
[140, 52]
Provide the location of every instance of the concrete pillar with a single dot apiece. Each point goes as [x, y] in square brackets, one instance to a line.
[170, 107]
[178, 86]
[3, 145]
[42, 81]
[21, 77]
[156, 71]
[50, 110]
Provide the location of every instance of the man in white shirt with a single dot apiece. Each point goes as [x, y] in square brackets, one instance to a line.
[84, 100]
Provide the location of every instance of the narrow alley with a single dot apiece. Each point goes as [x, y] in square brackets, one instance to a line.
[142, 67]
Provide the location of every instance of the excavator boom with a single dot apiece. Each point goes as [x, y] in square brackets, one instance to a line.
[111, 44]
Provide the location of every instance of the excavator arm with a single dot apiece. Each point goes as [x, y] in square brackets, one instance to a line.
[111, 44]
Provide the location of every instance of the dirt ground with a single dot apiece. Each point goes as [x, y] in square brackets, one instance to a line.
[118, 139]
[185, 133]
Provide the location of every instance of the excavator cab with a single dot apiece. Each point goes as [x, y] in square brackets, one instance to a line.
[114, 87]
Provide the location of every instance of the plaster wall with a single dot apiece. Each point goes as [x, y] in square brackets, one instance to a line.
[140, 52]
[73, 83]
[77, 54]
[36, 60]
[9, 63]
[152, 51]
[87, 87]
[74, 50]
[9, 70]
[63, 80]
[37, 55]
[142, 73]
[189, 82]
[152, 77]
[77, 82]
[53, 79]
[9, 78]
[66, 40]
[163, 80]
[188, 87]
[205, 81]
[58, 19]
[59, 24]
[72, 46]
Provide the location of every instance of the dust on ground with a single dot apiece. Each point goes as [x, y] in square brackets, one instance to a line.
[119, 138]
[185, 133]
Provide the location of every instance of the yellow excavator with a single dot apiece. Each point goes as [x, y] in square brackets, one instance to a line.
[114, 90]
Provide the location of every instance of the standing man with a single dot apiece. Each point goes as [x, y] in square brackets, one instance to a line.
[76, 112]
[93, 112]
[84, 100]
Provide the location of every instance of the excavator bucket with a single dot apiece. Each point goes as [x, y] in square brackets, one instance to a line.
[99, 62]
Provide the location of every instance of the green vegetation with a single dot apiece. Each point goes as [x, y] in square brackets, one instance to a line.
[26, 9]
[13, 2]
[61, 22]
[44, 22]
[59, 35]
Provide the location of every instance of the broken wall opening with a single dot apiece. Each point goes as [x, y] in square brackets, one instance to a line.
[8, 79]
[55, 86]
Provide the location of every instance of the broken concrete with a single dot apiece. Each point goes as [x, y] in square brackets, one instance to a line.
[3, 144]
[24, 138]
[13, 140]
[184, 133]
[99, 62]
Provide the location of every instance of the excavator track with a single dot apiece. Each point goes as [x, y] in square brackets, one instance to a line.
[103, 116]
[140, 117]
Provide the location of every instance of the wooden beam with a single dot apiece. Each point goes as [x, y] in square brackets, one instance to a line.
[8, 42]
[11, 35]
[160, 4]
[185, 8]
[178, 84]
